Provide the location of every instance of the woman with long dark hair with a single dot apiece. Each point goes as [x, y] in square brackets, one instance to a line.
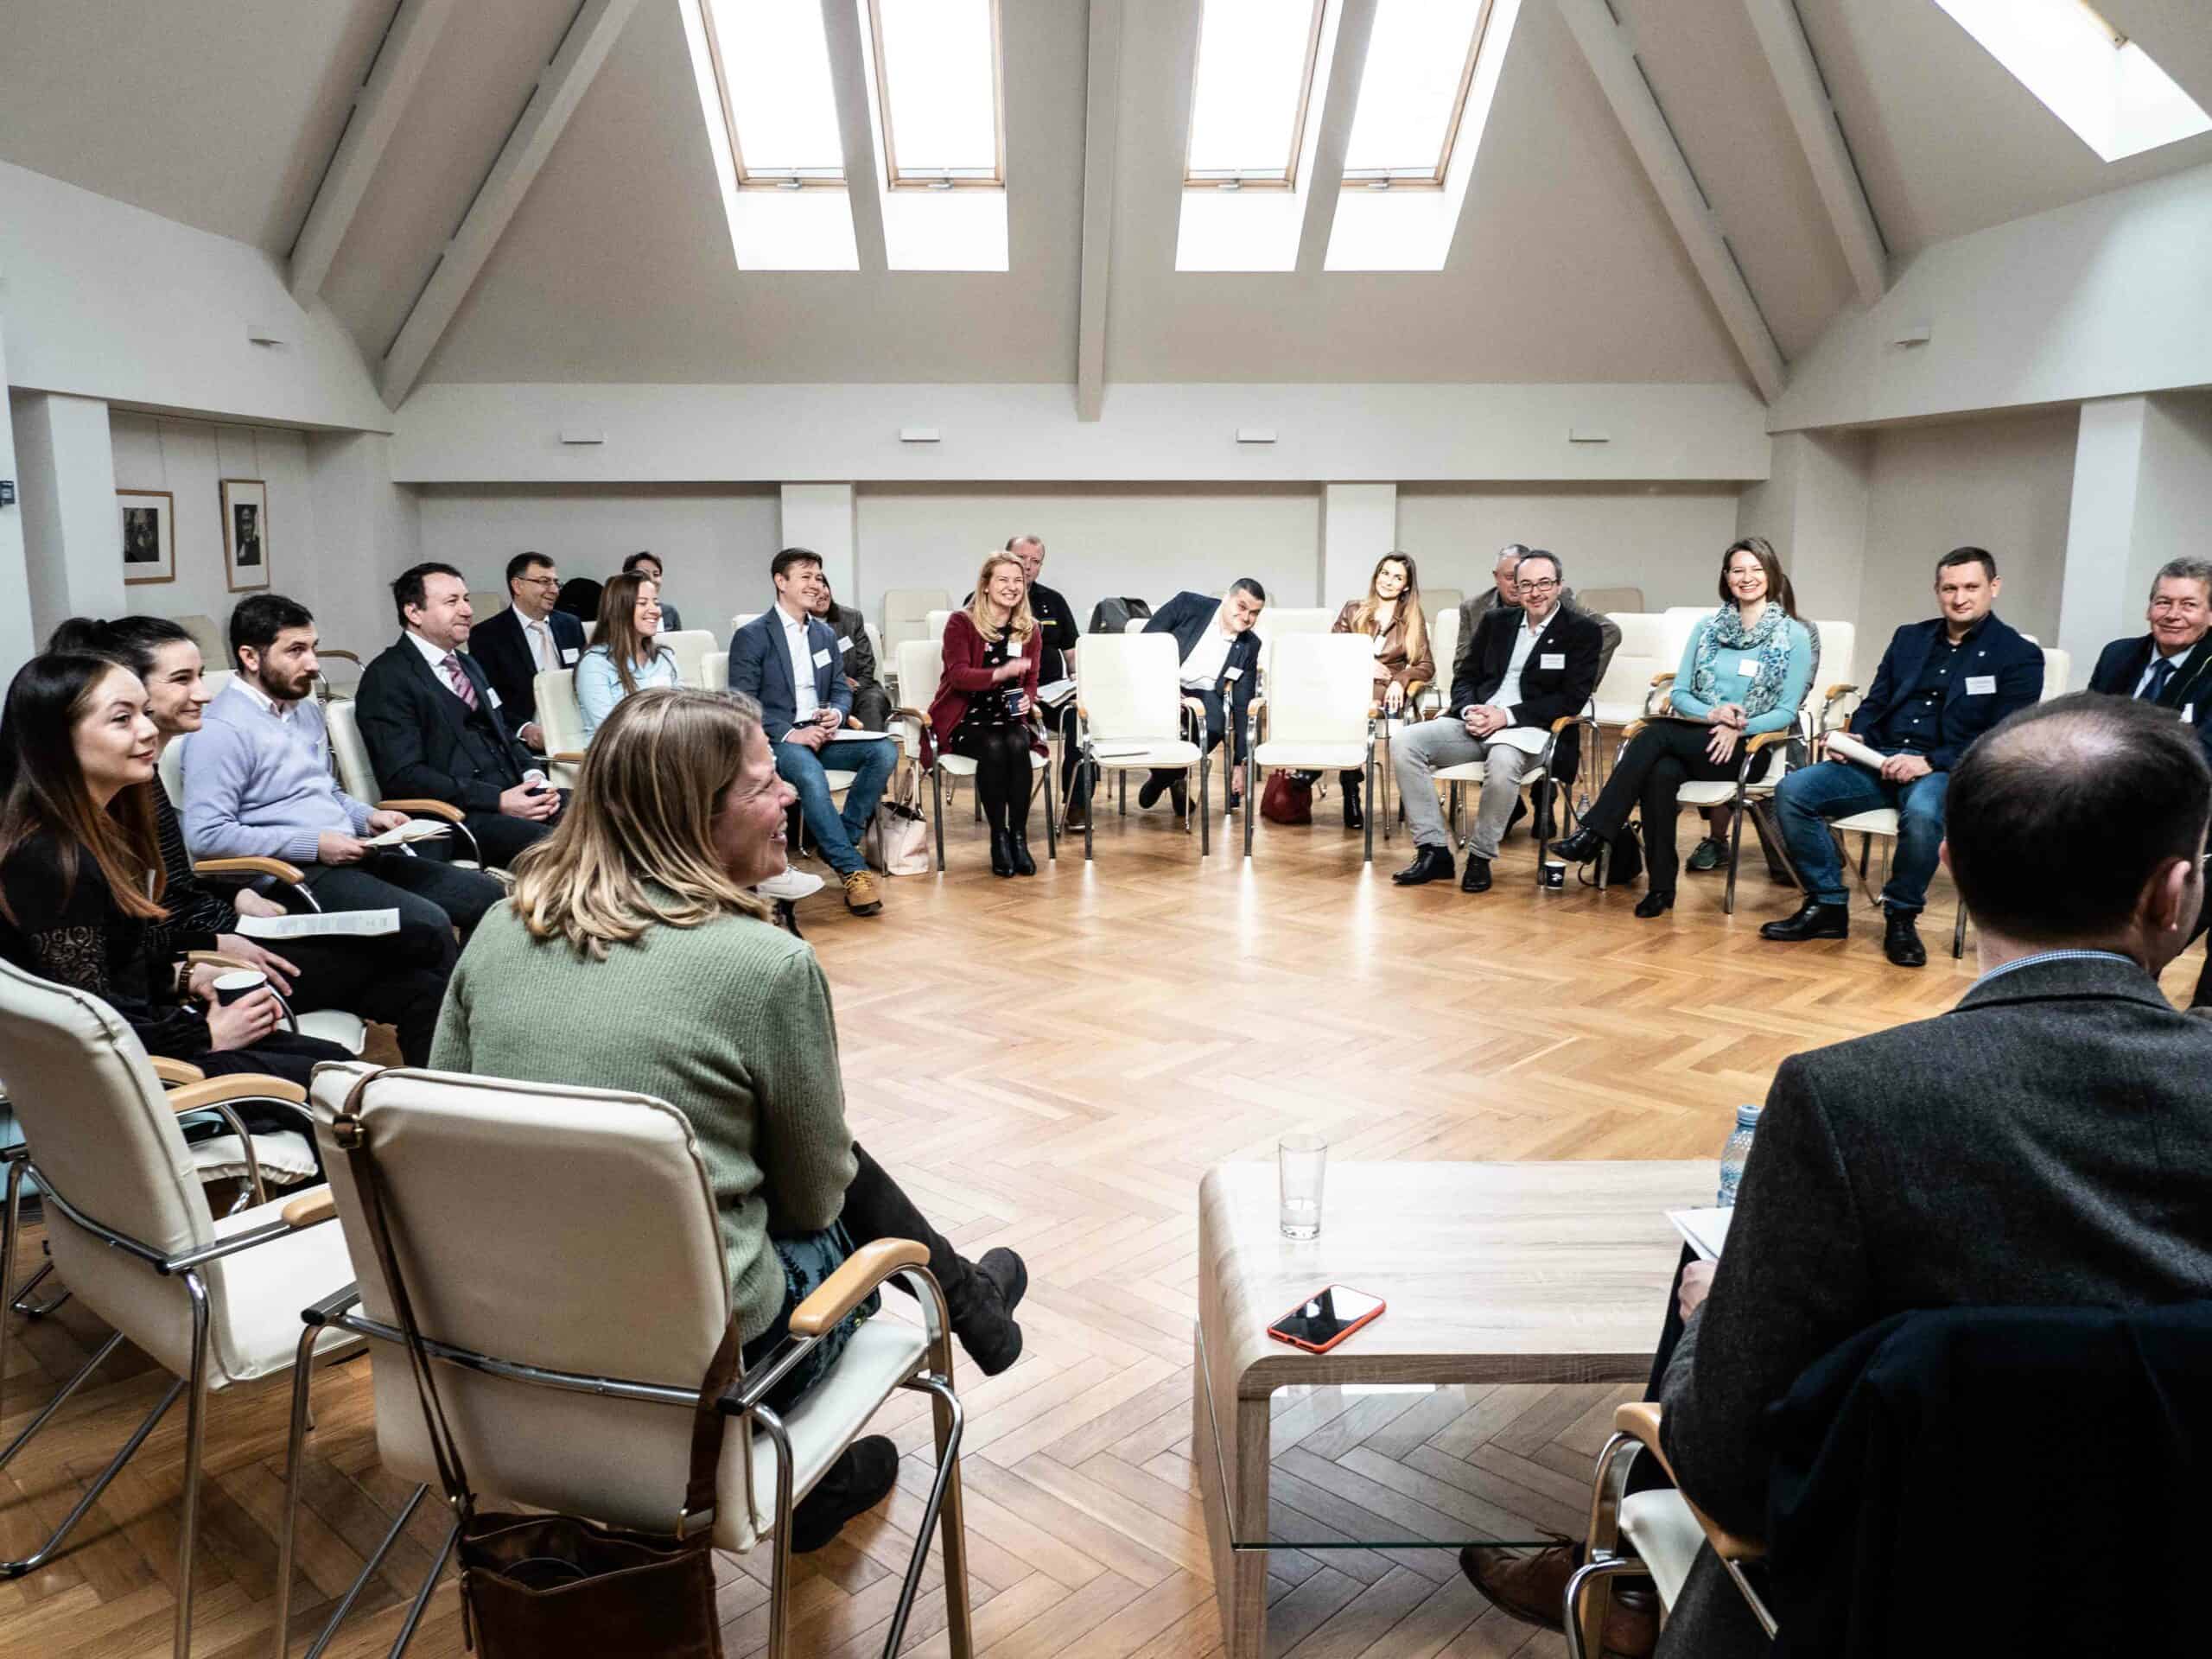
[627, 656]
[1392, 616]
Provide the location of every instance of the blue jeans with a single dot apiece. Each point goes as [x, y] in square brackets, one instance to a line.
[838, 833]
[1810, 795]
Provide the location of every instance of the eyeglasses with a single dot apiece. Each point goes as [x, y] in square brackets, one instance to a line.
[1537, 587]
[539, 582]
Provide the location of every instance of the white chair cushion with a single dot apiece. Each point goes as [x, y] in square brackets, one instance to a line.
[883, 1353]
[285, 1156]
[959, 765]
[1881, 821]
[257, 1326]
[1718, 794]
[1339, 757]
[1663, 1534]
[335, 1026]
[838, 780]
[1175, 753]
[1618, 714]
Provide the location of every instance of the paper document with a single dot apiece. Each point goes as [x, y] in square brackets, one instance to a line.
[1117, 751]
[850, 735]
[353, 924]
[1056, 691]
[1706, 1229]
[1849, 748]
[413, 829]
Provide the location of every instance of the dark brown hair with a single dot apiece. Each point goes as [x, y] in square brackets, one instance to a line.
[618, 626]
[42, 788]
[1778, 590]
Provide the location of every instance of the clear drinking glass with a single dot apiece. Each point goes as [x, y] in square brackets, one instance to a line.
[1303, 1159]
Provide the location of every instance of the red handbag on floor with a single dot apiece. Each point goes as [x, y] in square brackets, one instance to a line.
[1288, 798]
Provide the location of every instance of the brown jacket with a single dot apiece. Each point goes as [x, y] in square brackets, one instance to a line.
[1391, 662]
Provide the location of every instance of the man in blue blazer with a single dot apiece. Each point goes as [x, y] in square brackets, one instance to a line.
[1220, 655]
[527, 638]
[1941, 685]
[787, 660]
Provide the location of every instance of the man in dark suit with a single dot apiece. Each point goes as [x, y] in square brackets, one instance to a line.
[1220, 666]
[527, 638]
[787, 660]
[434, 726]
[1941, 685]
[1526, 666]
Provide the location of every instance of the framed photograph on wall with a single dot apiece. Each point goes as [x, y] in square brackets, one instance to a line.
[246, 533]
[148, 530]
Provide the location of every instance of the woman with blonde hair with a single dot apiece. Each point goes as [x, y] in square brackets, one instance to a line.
[983, 702]
[637, 907]
[626, 655]
[1392, 615]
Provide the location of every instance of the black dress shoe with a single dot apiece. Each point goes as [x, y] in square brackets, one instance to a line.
[1150, 792]
[1001, 853]
[1545, 829]
[1813, 920]
[1477, 880]
[1017, 847]
[1430, 864]
[1901, 939]
[1655, 904]
[861, 1478]
[1580, 847]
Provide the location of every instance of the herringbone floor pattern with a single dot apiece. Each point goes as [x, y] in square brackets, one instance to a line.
[1051, 1064]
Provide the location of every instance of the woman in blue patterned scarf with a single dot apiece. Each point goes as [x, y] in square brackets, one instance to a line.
[1743, 673]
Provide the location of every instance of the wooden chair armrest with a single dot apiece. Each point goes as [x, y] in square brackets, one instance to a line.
[847, 1289]
[560, 757]
[333, 650]
[313, 1205]
[1632, 729]
[1767, 741]
[1658, 680]
[1566, 721]
[1639, 1420]
[175, 1072]
[289, 874]
[444, 809]
[1839, 690]
[915, 715]
[236, 1085]
[217, 959]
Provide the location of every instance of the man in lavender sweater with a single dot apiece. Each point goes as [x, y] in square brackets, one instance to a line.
[257, 784]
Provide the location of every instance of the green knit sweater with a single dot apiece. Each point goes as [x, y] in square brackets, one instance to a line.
[728, 1022]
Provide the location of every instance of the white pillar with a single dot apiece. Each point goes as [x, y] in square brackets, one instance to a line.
[1813, 507]
[1359, 524]
[821, 516]
[73, 536]
[367, 530]
[2096, 601]
[17, 643]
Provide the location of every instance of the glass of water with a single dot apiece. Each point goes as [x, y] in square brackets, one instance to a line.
[1303, 1159]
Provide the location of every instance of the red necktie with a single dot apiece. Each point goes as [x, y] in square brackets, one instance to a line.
[459, 677]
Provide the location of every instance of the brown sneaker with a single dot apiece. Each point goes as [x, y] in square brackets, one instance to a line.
[860, 896]
[1531, 1584]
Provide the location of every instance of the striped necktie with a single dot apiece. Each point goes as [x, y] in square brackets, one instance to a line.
[458, 677]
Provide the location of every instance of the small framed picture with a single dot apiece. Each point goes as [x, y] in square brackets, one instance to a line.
[246, 533]
[149, 529]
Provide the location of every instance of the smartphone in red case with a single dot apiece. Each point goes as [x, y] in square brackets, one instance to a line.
[1327, 1318]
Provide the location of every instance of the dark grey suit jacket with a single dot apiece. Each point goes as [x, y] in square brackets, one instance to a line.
[2048, 1142]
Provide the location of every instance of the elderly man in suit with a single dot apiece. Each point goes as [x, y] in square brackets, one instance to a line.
[1943, 684]
[434, 727]
[787, 660]
[1220, 653]
[1526, 667]
[527, 638]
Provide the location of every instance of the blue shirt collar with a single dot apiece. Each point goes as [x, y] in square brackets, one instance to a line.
[2041, 957]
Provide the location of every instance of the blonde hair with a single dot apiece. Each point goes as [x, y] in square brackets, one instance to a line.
[1021, 624]
[1409, 607]
[636, 848]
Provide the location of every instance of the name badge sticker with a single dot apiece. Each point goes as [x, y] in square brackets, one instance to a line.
[1232, 673]
[568, 657]
[495, 697]
[844, 642]
[1982, 686]
[1551, 659]
[822, 659]
[1748, 667]
[2189, 714]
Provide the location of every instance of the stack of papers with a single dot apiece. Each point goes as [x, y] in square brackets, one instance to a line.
[1707, 1230]
[413, 829]
[1056, 691]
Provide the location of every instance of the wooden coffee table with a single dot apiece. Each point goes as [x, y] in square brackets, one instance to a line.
[1494, 1273]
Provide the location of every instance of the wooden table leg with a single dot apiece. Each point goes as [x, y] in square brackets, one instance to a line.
[1240, 1576]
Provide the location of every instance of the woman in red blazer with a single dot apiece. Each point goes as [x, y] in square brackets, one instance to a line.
[983, 703]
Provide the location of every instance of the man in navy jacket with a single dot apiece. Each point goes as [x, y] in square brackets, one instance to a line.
[527, 638]
[1220, 655]
[1941, 685]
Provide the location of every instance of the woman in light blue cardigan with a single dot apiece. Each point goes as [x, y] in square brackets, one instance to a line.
[627, 657]
[1743, 673]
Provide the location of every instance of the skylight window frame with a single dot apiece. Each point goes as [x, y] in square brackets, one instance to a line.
[1237, 179]
[895, 177]
[1377, 178]
[788, 179]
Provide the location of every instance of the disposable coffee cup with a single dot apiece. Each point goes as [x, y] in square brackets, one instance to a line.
[245, 981]
[1554, 875]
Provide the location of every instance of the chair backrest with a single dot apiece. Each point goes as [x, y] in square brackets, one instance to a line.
[1839, 656]
[875, 645]
[1129, 687]
[484, 604]
[713, 670]
[569, 1228]
[2057, 670]
[1437, 601]
[691, 647]
[1643, 652]
[742, 618]
[1135, 625]
[906, 614]
[1608, 602]
[921, 665]
[1444, 647]
[933, 626]
[1279, 619]
[1677, 623]
[558, 715]
[208, 635]
[357, 776]
[1320, 687]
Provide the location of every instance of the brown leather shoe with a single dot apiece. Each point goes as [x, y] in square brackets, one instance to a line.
[1531, 1586]
[860, 896]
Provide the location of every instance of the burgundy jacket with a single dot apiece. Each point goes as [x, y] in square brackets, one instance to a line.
[965, 674]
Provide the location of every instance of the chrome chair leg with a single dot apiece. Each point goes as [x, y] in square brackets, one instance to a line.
[1593, 1573]
[369, 1571]
[936, 818]
[423, 1597]
[196, 1429]
[950, 1422]
[22, 1303]
[780, 1544]
[52, 1547]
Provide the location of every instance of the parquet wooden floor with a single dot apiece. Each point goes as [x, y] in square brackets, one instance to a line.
[1051, 1064]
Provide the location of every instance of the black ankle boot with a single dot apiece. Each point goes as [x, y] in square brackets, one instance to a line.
[1353, 817]
[861, 1478]
[1002, 853]
[1655, 904]
[1017, 843]
[982, 1303]
[1580, 847]
[1901, 939]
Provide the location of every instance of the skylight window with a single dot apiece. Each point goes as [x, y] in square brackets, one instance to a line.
[1421, 60]
[1252, 92]
[2086, 73]
[938, 82]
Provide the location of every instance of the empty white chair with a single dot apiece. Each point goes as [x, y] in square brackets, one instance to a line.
[1321, 705]
[1437, 601]
[1443, 651]
[1642, 657]
[1129, 717]
[905, 615]
[2057, 672]
[933, 626]
[562, 718]
[1279, 619]
[713, 670]
[211, 1301]
[357, 774]
[921, 665]
[742, 618]
[561, 1248]
[691, 647]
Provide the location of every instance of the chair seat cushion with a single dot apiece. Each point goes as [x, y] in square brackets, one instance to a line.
[1474, 771]
[335, 1026]
[1618, 714]
[1340, 757]
[284, 1155]
[959, 765]
[1665, 1535]
[1881, 821]
[1703, 794]
[257, 1326]
[1167, 752]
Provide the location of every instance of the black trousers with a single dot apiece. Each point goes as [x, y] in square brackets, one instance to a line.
[428, 892]
[503, 839]
[872, 706]
[1002, 772]
[397, 979]
[1217, 728]
[1650, 774]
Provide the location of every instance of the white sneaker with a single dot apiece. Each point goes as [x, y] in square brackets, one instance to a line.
[791, 886]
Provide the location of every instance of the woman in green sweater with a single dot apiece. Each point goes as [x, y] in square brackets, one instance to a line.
[636, 909]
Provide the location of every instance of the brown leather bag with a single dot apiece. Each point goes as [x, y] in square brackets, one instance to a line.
[560, 1587]
[1288, 798]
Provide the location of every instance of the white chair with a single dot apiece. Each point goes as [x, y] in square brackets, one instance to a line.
[905, 615]
[744, 617]
[562, 1255]
[1129, 717]
[562, 718]
[1536, 778]
[1279, 620]
[690, 646]
[213, 1302]
[1437, 601]
[357, 776]
[934, 625]
[1135, 625]
[1320, 715]
[921, 665]
[1443, 651]
[1641, 658]
[713, 670]
[1608, 602]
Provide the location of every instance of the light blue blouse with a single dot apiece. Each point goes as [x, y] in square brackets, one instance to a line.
[1735, 685]
[599, 687]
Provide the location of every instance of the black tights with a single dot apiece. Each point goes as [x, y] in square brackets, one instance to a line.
[1002, 773]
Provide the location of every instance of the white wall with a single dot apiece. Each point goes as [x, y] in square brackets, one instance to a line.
[1665, 540]
[2003, 484]
[716, 542]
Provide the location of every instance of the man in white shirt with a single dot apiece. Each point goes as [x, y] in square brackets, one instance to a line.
[527, 638]
[1529, 665]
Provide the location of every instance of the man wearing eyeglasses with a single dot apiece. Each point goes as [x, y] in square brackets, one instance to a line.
[527, 639]
[1526, 666]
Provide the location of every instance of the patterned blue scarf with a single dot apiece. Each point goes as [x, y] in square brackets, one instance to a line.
[1725, 635]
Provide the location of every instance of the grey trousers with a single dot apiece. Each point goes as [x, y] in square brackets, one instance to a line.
[1419, 752]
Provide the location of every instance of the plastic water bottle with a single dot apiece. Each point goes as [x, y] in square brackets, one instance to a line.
[1734, 1154]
